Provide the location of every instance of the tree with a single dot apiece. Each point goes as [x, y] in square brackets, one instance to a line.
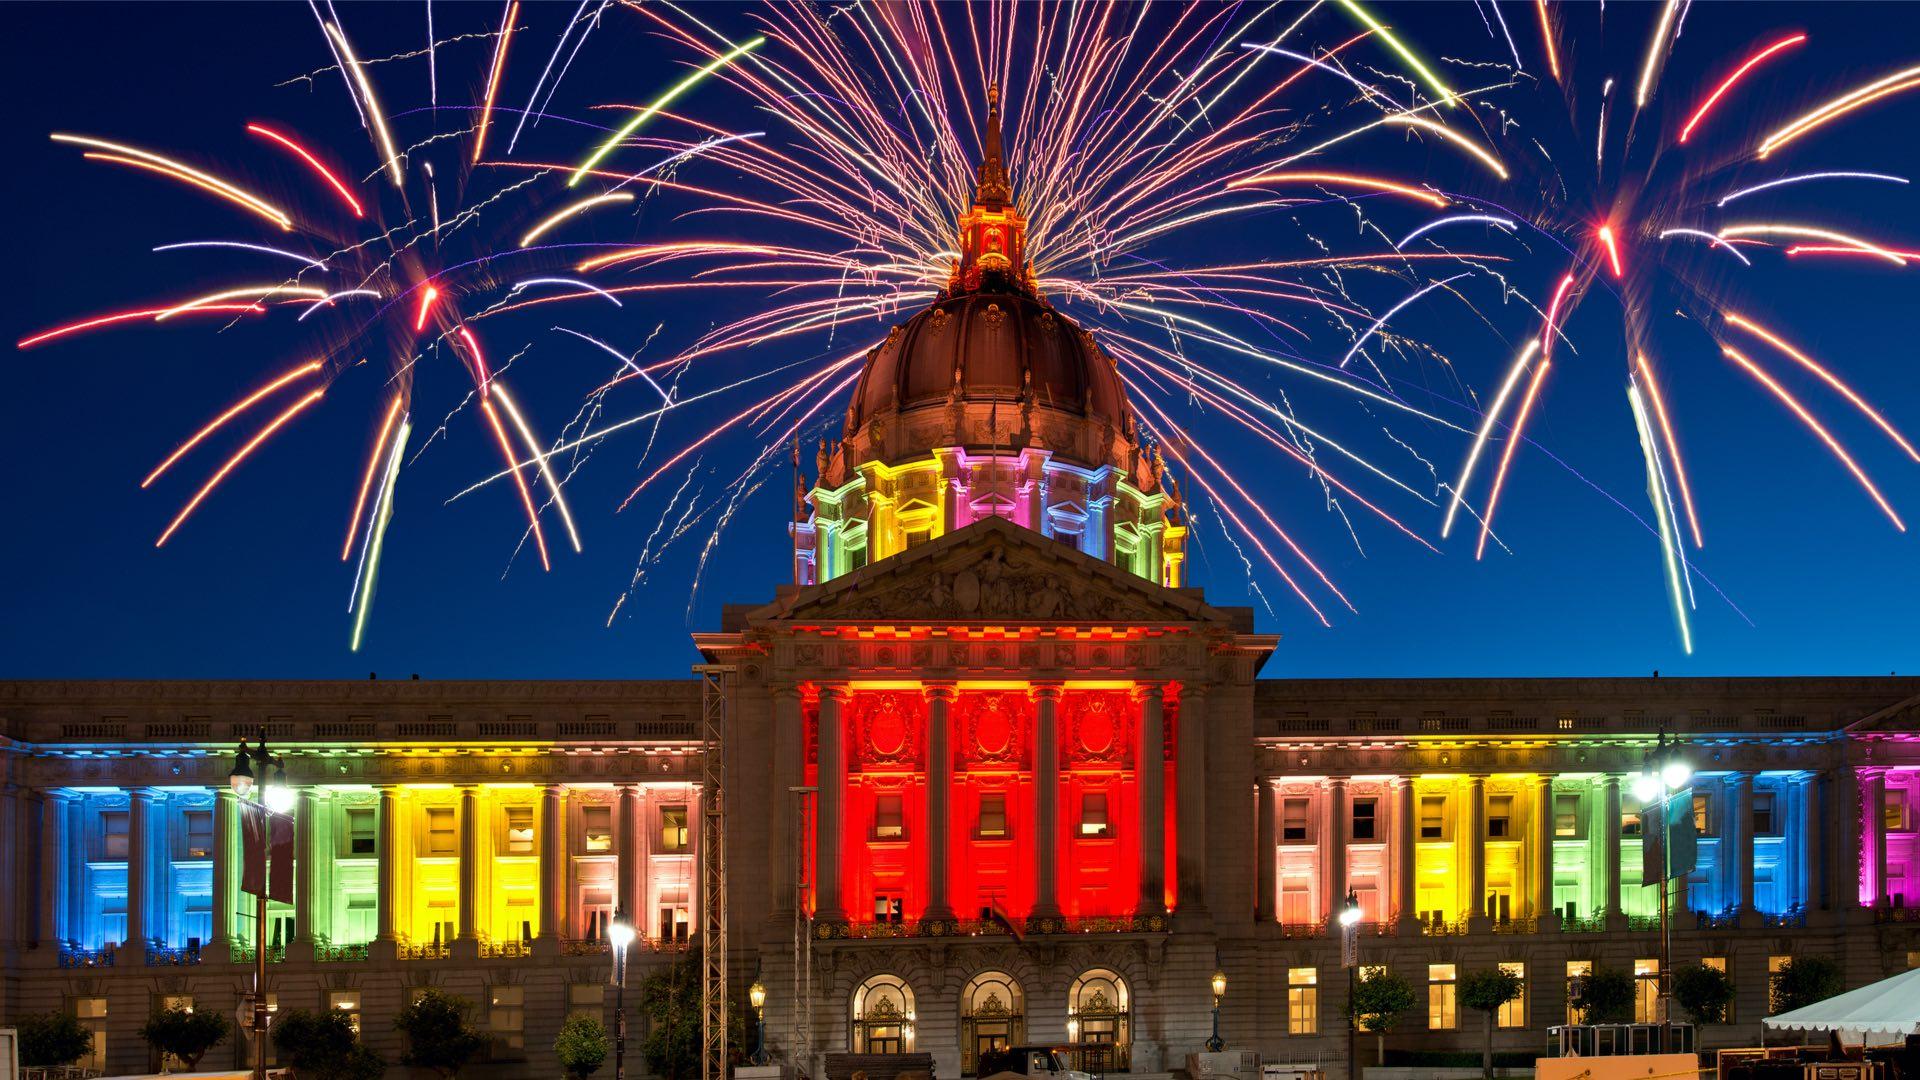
[324, 1046]
[582, 1046]
[186, 1034]
[1704, 993]
[1379, 999]
[438, 1035]
[1802, 981]
[670, 1000]
[1604, 997]
[49, 1040]
[1486, 991]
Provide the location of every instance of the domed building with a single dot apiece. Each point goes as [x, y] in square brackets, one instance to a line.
[990, 403]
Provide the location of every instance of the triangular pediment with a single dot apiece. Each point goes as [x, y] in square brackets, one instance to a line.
[993, 571]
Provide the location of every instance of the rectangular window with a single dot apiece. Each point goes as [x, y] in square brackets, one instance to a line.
[1303, 1001]
[92, 1014]
[1646, 991]
[1719, 964]
[519, 830]
[1775, 965]
[1703, 814]
[587, 998]
[993, 817]
[597, 825]
[1576, 971]
[1764, 823]
[676, 913]
[1293, 821]
[916, 537]
[507, 1016]
[113, 834]
[199, 825]
[889, 821]
[441, 839]
[1500, 817]
[1629, 823]
[1566, 815]
[360, 832]
[1296, 902]
[889, 908]
[1433, 817]
[596, 912]
[346, 1001]
[1363, 818]
[1514, 1013]
[673, 829]
[1442, 1014]
[1894, 811]
[1093, 813]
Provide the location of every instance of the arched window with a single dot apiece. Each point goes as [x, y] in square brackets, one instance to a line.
[1099, 1022]
[883, 1016]
[993, 1016]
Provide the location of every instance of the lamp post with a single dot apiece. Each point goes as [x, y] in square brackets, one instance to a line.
[620, 934]
[757, 997]
[1350, 915]
[1215, 1043]
[277, 797]
[1667, 771]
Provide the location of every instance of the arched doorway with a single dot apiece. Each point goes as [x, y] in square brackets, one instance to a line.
[1100, 1022]
[993, 1016]
[882, 1020]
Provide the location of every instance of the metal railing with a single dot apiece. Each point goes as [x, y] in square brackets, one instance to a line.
[956, 928]
[328, 953]
[73, 956]
[165, 956]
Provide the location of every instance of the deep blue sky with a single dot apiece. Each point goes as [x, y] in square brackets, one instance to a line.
[252, 587]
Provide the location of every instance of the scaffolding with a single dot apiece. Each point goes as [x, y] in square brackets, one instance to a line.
[716, 688]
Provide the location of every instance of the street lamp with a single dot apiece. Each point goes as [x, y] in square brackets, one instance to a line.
[1349, 918]
[620, 934]
[1667, 771]
[1215, 1043]
[277, 797]
[757, 997]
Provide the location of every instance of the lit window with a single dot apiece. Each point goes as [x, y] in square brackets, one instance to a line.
[199, 825]
[1703, 813]
[507, 1016]
[1646, 991]
[1442, 1013]
[596, 912]
[519, 830]
[1293, 821]
[1499, 817]
[888, 818]
[857, 555]
[1514, 1013]
[597, 825]
[889, 908]
[113, 833]
[1576, 971]
[1566, 815]
[440, 832]
[1363, 818]
[346, 1001]
[1093, 813]
[676, 913]
[1719, 964]
[360, 834]
[1893, 812]
[1763, 819]
[993, 817]
[1629, 824]
[1303, 1001]
[92, 1014]
[673, 829]
[916, 537]
[1433, 817]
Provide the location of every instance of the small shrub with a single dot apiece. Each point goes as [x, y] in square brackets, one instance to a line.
[186, 1034]
[438, 1035]
[49, 1040]
[582, 1046]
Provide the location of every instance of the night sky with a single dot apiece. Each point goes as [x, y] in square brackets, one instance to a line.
[1816, 579]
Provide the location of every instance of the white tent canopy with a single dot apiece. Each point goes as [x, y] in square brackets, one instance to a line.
[1889, 1007]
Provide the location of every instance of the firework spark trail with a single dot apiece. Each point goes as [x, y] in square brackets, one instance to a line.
[1488, 419]
[546, 471]
[333, 181]
[122, 154]
[660, 103]
[1827, 376]
[377, 535]
[1672, 444]
[1506, 455]
[493, 78]
[366, 482]
[231, 463]
[1395, 310]
[220, 421]
[1669, 533]
[519, 481]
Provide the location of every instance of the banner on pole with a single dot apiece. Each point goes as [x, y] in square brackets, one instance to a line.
[266, 853]
[280, 867]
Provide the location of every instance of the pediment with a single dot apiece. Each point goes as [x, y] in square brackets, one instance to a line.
[992, 571]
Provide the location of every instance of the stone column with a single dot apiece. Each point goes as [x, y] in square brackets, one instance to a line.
[224, 825]
[469, 928]
[627, 873]
[789, 772]
[939, 796]
[553, 850]
[301, 947]
[54, 882]
[1475, 818]
[1545, 917]
[387, 854]
[1850, 863]
[1190, 763]
[1741, 865]
[139, 870]
[1812, 894]
[1611, 911]
[1150, 765]
[1333, 849]
[11, 931]
[831, 757]
[1267, 853]
[1874, 795]
[1046, 800]
[1406, 827]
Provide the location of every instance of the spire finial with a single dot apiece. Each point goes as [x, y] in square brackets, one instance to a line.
[993, 188]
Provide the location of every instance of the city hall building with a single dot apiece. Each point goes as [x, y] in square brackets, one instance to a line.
[995, 773]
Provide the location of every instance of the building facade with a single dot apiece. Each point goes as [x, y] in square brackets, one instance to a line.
[996, 773]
